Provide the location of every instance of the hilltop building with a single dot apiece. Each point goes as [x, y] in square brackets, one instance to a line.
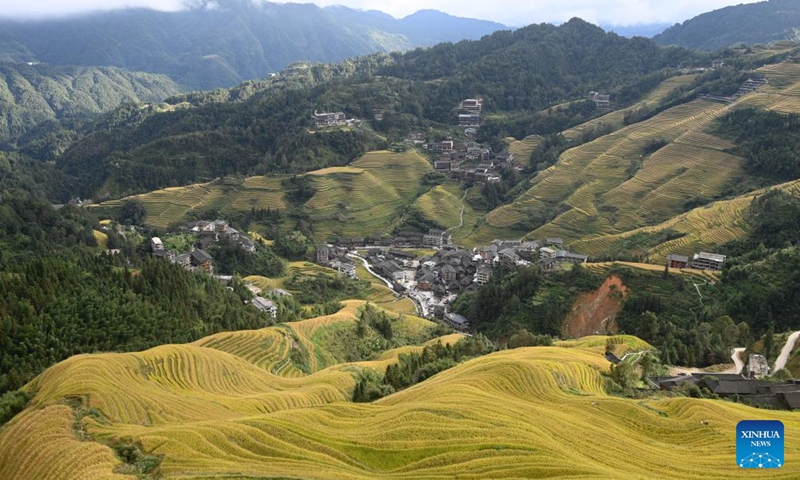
[328, 119]
[471, 105]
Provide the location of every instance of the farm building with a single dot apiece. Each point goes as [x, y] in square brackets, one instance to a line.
[563, 256]
[459, 322]
[201, 258]
[547, 252]
[483, 274]
[677, 261]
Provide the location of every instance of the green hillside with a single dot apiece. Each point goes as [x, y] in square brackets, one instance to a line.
[644, 174]
[749, 23]
[31, 95]
[264, 127]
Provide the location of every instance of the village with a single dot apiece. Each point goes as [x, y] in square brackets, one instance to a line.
[425, 267]
[433, 280]
[197, 258]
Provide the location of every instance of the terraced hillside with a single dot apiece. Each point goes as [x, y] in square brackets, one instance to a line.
[643, 175]
[364, 198]
[172, 205]
[450, 206]
[368, 197]
[226, 407]
[696, 230]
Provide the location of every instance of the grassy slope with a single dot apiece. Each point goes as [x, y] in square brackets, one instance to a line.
[214, 409]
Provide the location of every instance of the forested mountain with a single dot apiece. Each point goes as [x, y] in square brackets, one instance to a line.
[761, 22]
[61, 296]
[34, 94]
[266, 128]
[222, 43]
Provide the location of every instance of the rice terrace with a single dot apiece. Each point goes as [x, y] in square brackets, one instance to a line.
[235, 405]
[246, 240]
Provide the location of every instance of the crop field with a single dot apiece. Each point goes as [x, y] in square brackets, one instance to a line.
[368, 197]
[595, 179]
[704, 275]
[610, 186]
[101, 239]
[696, 230]
[522, 149]
[615, 119]
[441, 205]
[172, 205]
[224, 408]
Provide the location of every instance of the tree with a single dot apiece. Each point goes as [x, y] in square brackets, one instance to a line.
[769, 342]
[647, 329]
[132, 212]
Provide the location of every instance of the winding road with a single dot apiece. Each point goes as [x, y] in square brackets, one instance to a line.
[370, 270]
[785, 352]
[420, 306]
[737, 361]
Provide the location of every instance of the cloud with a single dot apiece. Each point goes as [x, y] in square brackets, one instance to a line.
[509, 12]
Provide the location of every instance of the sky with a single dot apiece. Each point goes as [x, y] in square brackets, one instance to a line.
[509, 12]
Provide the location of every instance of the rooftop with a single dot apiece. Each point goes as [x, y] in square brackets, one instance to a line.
[709, 256]
[677, 258]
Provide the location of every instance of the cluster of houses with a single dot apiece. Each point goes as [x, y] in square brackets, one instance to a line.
[208, 233]
[700, 261]
[198, 259]
[469, 161]
[746, 387]
[404, 239]
[335, 257]
[450, 269]
[332, 119]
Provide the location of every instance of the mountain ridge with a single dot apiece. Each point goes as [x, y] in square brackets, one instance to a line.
[202, 48]
[750, 23]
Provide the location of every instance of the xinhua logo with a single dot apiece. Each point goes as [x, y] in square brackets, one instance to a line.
[759, 444]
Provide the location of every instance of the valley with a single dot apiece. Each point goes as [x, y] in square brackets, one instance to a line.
[539, 252]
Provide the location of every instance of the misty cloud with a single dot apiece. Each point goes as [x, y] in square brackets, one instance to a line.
[509, 12]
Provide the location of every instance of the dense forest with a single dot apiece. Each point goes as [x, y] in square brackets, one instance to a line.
[31, 95]
[769, 141]
[62, 297]
[749, 23]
